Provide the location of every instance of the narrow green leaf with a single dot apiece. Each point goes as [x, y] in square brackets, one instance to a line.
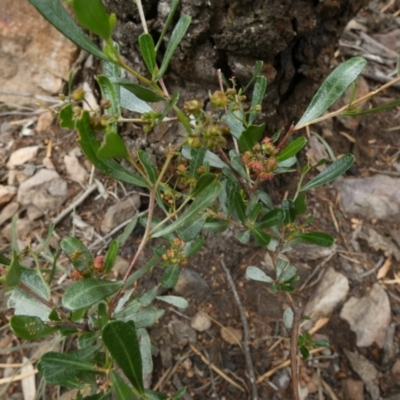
[151, 170]
[58, 16]
[121, 389]
[333, 87]
[253, 211]
[202, 201]
[235, 125]
[183, 119]
[256, 73]
[237, 164]
[319, 238]
[121, 341]
[148, 52]
[292, 149]
[89, 144]
[111, 255]
[290, 211]
[170, 105]
[176, 301]
[196, 160]
[30, 328]
[67, 117]
[77, 253]
[262, 238]
[88, 291]
[191, 229]
[357, 112]
[249, 137]
[59, 368]
[14, 272]
[179, 393]
[176, 37]
[300, 204]
[243, 237]
[204, 181]
[93, 15]
[141, 271]
[272, 218]
[240, 208]
[170, 276]
[112, 147]
[128, 230]
[257, 274]
[132, 103]
[146, 318]
[288, 318]
[111, 93]
[258, 96]
[141, 92]
[145, 351]
[171, 13]
[331, 172]
[194, 246]
[212, 159]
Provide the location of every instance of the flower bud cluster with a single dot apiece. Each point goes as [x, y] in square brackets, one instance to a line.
[261, 159]
[176, 253]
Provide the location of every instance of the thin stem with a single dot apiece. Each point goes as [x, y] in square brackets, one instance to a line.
[286, 138]
[293, 350]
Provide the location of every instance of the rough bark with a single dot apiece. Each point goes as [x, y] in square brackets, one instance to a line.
[296, 39]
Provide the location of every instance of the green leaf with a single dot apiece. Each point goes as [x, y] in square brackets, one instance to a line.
[357, 112]
[240, 208]
[292, 149]
[67, 117]
[249, 137]
[141, 92]
[262, 238]
[170, 276]
[203, 182]
[194, 246]
[145, 351]
[56, 14]
[172, 9]
[258, 96]
[176, 36]
[121, 389]
[234, 124]
[111, 255]
[112, 147]
[257, 274]
[89, 145]
[300, 204]
[331, 172]
[93, 15]
[257, 70]
[290, 211]
[304, 352]
[319, 238]
[191, 229]
[88, 291]
[179, 393]
[77, 253]
[121, 341]
[30, 328]
[148, 52]
[151, 170]
[146, 318]
[111, 93]
[176, 301]
[128, 230]
[14, 272]
[272, 218]
[253, 210]
[237, 164]
[196, 160]
[243, 237]
[60, 368]
[284, 271]
[212, 159]
[170, 105]
[216, 225]
[141, 271]
[202, 201]
[333, 87]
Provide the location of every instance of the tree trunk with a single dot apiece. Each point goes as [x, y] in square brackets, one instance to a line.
[296, 39]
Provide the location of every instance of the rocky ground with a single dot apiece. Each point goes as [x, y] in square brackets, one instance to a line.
[351, 292]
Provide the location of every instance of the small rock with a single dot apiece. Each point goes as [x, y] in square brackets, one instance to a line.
[396, 370]
[48, 163]
[281, 379]
[119, 213]
[330, 292]
[22, 155]
[314, 383]
[8, 212]
[191, 283]
[74, 170]
[7, 193]
[377, 196]
[353, 390]
[183, 333]
[120, 267]
[33, 213]
[44, 122]
[201, 322]
[369, 317]
[366, 371]
[232, 335]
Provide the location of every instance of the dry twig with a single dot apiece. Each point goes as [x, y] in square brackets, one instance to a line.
[246, 335]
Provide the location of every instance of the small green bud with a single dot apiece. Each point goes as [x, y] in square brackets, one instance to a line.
[219, 99]
[78, 94]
